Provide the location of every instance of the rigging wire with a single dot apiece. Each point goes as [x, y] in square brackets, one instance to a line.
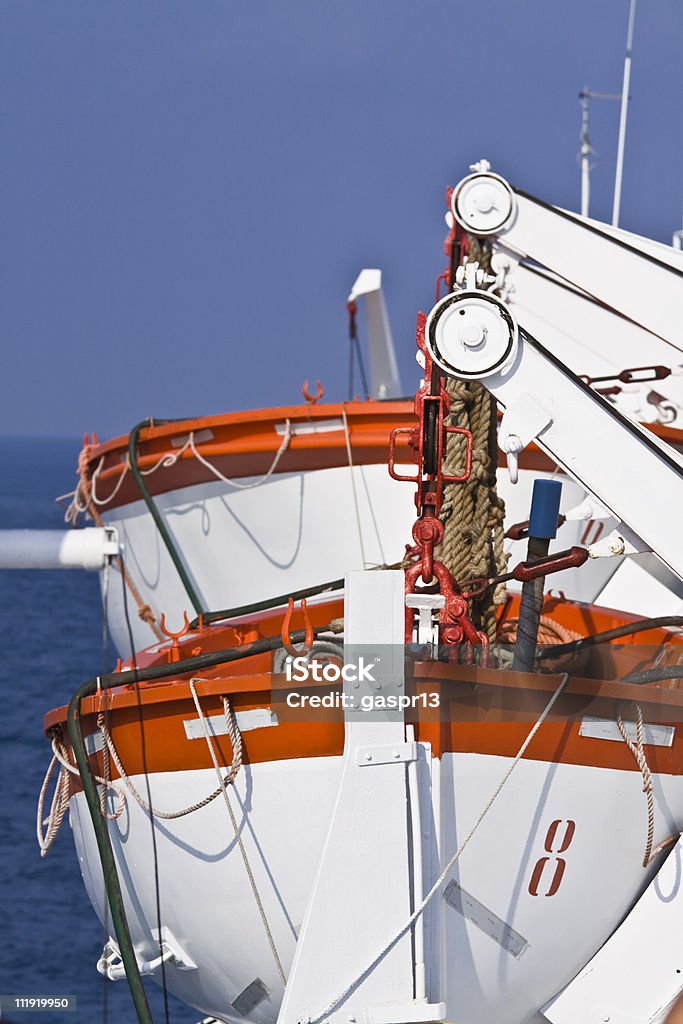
[105, 763]
[143, 752]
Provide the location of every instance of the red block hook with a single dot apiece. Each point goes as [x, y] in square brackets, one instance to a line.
[312, 399]
[175, 637]
[286, 635]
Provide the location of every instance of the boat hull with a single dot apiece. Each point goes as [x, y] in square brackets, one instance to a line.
[550, 873]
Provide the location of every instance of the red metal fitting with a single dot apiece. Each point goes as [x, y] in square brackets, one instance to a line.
[312, 399]
[572, 558]
[286, 635]
[174, 654]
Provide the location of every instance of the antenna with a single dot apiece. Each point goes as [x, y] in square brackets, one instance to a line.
[622, 119]
[586, 151]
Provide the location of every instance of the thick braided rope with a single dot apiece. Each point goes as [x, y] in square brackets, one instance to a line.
[472, 512]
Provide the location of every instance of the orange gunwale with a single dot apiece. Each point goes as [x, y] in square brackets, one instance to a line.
[245, 443]
[488, 713]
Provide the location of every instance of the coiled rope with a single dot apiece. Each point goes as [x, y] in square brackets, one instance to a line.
[60, 799]
[48, 827]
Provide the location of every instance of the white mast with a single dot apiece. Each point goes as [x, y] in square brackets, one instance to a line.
[586, 151]
[622, 120]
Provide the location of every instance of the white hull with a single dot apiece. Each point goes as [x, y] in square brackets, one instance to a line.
[299, 530]
[284, 810]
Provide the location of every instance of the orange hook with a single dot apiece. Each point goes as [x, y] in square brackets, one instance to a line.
[286, 636]
[312, 399]
[175, 637]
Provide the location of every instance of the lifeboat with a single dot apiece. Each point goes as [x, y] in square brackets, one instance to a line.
[551, 871]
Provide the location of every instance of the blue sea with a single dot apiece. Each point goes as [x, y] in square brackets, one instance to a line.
[50, 938]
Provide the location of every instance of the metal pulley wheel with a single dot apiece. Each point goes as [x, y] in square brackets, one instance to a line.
[483, 203]
[471, 335]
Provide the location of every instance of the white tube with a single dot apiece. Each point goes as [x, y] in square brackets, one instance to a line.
[57, 549]
[622, 119]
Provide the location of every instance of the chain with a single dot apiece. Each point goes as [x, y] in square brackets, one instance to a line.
[428, 442]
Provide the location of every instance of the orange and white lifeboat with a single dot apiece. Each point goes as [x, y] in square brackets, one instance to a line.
[552, 869]
[278, 501]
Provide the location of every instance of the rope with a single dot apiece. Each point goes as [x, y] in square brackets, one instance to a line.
[238, 837]
[235, 737]
[456, 856]
[86, 493]
[85, 488]
[347, 437]
[61, 795]
[255, 483]
[116, 489]
[550, 633]
[472, 512]
[638, 752]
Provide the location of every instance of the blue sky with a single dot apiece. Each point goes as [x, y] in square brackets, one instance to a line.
[189, 188]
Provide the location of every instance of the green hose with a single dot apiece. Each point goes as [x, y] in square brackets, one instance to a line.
[157, 517]
[111, 878]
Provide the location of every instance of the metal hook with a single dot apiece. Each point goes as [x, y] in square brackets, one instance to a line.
[286, 635]
[312, 399]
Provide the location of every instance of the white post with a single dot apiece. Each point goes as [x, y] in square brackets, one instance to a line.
[622, 119]
[585, 153]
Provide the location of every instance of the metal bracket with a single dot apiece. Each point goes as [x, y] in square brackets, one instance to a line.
[407, 1013]
[111, 966]
[621, 541]
[523, 420]
[427, 607]
[390, 753]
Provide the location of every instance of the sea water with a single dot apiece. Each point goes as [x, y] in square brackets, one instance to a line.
[50, 643]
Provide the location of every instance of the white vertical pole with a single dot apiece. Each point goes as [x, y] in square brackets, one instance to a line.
[622, 120]
[585, 153]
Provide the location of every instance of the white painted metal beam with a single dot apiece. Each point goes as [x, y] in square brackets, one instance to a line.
[361, 895]
[385, 381]
[89, 548]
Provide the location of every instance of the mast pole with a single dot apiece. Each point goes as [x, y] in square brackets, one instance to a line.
[585, 152]
[622, 119]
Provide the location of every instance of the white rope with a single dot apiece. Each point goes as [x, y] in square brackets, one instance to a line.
[165, 461]
[637, 749]
[76, 508]
[238, 836]
[61, 796]
[255, 483]
[442, 877]
[235, 737]
[353, 486]
[115, 491]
